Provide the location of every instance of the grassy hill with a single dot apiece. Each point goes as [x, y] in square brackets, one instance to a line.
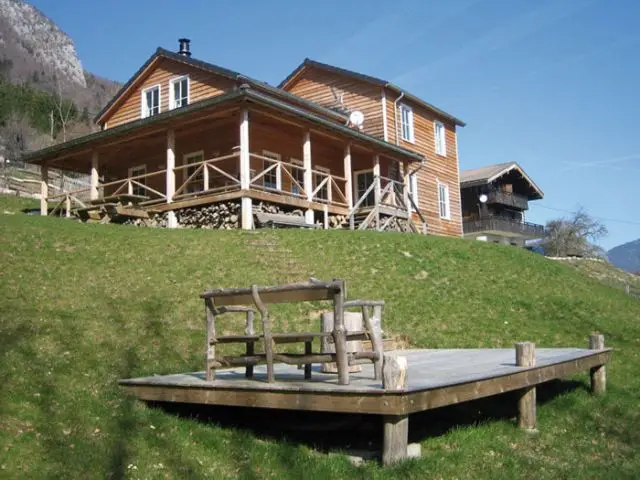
[85, 305]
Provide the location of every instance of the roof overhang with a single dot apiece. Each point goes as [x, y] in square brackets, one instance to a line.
[242, 94]
[496, 175]
[308, 63]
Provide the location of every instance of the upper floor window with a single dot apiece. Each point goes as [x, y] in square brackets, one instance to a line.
[441, 142]
[406, 123]
[413, 190]
[179, 88]
[443, 201]
[151, 101]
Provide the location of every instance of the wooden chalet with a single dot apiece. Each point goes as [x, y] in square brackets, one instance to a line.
[184, 133]
[494, 201]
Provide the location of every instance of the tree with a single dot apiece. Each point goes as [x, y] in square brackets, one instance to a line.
[574, 236]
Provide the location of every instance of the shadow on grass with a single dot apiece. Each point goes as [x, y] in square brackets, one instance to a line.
[325, 431]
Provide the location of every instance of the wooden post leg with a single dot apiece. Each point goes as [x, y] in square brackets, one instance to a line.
[598, 374]
[250, 345]
[266, 329]
[373, 325]
[307, 368]
[396, 438]
[211, 337]
[340, 336]
[526, 357]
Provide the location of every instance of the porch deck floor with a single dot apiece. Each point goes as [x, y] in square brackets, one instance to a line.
[435, 378]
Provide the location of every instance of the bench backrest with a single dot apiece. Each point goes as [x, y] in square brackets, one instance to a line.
[294, 292]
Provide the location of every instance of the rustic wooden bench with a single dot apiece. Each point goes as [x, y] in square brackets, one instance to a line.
[221, 301]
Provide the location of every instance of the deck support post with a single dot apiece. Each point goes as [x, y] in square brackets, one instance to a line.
[44, 190]
[170, 174]
[308, 175]
[396, 438]
[245, 171]
[526, 357]
[377, 189]
[325, 211]
[94, 176]
[407, 187]
[598, 374]
[348, 176]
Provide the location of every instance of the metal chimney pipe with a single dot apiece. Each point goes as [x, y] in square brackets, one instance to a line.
[184, 47]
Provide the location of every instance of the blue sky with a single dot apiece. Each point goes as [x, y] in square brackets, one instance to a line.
[551, 84]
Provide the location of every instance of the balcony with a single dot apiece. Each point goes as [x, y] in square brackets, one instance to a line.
[509, 199]
[503, 225]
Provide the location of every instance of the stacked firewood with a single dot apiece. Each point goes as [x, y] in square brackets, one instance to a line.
[221, 216]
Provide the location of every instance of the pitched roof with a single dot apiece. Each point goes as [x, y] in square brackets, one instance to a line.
[485, 175]
[224, 72]
[369, 79]
[243, 93]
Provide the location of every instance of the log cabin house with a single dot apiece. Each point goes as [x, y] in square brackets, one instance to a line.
[494, 201]
[182, 134]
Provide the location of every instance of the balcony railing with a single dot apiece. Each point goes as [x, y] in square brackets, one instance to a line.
[509, 199]
[499, 224]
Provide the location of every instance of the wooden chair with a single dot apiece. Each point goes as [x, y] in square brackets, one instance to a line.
[260, 297]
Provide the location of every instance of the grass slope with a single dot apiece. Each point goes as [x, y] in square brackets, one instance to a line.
[85, 305]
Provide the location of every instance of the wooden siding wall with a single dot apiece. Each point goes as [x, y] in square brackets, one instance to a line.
[316, 85]
[438, 168]
[202, 85]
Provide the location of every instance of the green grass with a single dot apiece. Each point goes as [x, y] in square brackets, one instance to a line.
[85, 305]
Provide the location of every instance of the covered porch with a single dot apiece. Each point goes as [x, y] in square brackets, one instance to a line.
[241, 151]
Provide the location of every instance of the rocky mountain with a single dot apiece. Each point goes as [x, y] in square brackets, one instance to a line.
[626, 256]
[36, 54]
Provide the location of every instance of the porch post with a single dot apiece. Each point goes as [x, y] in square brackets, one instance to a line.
[348, 187]
[94, 176]
[44, 190]
[407, 186]
[172, 222]
[376, 175]
[245, 171]
[308, 175]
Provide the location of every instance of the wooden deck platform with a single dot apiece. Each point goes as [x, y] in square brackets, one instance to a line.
[436, 378]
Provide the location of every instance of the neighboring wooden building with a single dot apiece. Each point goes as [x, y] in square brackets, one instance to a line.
[183, 133]
[494, 201]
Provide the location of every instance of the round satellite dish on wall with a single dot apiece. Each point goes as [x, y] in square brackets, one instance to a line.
[356, 118]
[483, 198]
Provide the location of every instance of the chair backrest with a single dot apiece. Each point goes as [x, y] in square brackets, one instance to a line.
[294, 292]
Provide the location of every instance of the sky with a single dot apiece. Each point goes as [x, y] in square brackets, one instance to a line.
[551, 84]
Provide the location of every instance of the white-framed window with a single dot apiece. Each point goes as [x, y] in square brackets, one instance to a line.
[441, 139]
[318, 178]
[273, 178]
[150, 101]
[364, 179]
[443, 201]
[196, 184]
[179, 92]
[406, 123]
[298, 176]
[134, 172]
[413, 189]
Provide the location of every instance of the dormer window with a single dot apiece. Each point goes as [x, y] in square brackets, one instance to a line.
[151, 101]
[179, 88]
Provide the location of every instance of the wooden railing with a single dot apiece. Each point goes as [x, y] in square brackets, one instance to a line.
[392, 195]
[206, 176]
[502, 224]
[328, 189]
[136, 183]
[67, 201]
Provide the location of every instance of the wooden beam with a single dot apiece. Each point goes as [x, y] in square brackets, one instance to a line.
[95, 178]
[348, 175]
[44, 190]
[526, 357]
[308, 175]
[171, 176]
[245, 170]
[598, 373]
